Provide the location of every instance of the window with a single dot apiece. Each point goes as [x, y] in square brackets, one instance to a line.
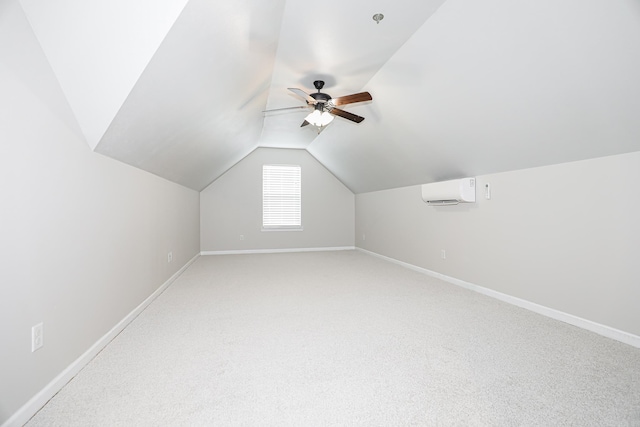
[281, 186]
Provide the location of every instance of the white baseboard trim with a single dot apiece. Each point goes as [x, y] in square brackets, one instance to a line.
[30, 408]
[600, 329]
[277, 251]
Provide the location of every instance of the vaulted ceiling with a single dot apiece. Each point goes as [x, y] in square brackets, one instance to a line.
[460, 87]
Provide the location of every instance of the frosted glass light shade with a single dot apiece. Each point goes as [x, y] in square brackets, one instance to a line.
[319, 119]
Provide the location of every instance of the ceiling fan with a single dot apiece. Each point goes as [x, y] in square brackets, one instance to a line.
[324, 107]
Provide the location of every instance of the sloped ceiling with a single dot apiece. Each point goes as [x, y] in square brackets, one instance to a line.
[460, 87]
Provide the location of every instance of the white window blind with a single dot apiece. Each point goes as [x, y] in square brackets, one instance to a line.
[281, 197]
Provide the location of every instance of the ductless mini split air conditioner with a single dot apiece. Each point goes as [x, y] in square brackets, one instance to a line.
[450, 192]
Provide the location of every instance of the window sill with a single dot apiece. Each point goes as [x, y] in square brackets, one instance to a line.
[283, 229]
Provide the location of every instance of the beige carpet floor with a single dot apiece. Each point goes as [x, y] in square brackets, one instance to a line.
[345, 339]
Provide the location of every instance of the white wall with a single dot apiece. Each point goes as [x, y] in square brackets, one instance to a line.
[565, 236]
[84, 239]
[232, 206]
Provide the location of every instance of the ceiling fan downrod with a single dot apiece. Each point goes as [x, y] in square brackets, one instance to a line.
[321, 98]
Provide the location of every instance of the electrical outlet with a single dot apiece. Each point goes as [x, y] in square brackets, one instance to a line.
[364, 236]
[242, 237]
[170, 256]
[443, 254]
[37, 337]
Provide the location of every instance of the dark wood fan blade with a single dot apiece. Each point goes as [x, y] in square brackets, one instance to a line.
[303, 94]
[350, 99]
[286, 108]
[347, 115]
[305, 123]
